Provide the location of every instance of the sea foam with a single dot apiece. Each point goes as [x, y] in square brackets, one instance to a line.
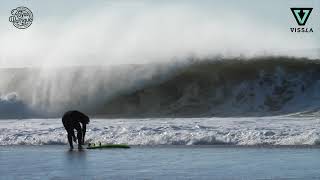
[277, 130]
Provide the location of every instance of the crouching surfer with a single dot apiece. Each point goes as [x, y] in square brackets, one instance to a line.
[71, 120]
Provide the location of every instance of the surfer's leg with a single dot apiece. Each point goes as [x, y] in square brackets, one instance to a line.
[69, 129]
[70, 135]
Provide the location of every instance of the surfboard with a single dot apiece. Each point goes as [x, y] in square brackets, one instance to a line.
[106, 146]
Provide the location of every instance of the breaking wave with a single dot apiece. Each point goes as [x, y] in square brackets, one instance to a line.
[260, 86]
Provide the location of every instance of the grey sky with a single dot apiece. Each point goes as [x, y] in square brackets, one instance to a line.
[229, 21]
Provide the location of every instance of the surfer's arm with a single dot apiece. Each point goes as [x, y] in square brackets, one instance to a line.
[84, 128]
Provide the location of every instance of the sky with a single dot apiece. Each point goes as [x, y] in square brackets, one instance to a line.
[100, 32]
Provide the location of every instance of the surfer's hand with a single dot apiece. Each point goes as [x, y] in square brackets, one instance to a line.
[74, 139]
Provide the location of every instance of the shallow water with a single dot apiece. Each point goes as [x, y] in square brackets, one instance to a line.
[160, 162]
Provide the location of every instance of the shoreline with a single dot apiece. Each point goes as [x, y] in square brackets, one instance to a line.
[180, 146]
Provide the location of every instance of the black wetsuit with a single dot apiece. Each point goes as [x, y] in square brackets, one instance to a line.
[71, 120]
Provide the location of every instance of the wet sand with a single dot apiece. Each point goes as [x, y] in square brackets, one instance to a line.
[160, 162]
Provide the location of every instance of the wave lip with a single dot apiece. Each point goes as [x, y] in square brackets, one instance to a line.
[278, 130]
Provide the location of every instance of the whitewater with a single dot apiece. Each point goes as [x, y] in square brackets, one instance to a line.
[278, 130]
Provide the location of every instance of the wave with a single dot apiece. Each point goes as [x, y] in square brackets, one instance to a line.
[260, 86]
[228, 87]
[12, 107]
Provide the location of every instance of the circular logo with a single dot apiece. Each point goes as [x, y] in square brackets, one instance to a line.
[21, 17]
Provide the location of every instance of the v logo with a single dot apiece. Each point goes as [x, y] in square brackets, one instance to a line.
[301, 15]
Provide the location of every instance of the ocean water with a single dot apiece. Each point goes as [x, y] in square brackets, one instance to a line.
[259, 100]
[160, 162]
[175, 114]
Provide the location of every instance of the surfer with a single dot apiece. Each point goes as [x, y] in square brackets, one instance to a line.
[71, 120]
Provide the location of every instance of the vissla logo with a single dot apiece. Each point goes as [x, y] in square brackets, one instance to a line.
[301, 15]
